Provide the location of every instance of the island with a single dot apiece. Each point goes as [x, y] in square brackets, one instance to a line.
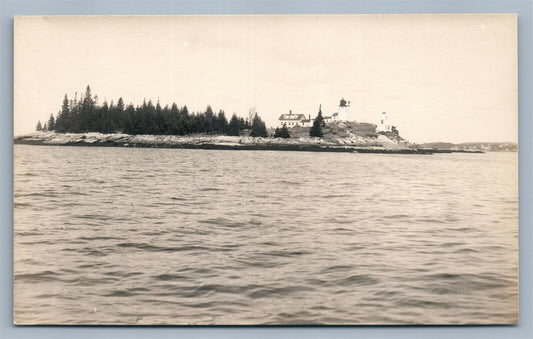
[82, 121]
[339, 137]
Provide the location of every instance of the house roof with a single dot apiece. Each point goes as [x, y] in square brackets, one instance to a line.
[292, 117]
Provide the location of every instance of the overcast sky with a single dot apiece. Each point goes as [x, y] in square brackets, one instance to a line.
[439, 77]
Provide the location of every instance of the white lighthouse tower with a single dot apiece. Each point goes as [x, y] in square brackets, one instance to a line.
[343, 110]
[383, 123]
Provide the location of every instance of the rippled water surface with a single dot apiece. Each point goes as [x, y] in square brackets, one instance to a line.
[169, 236]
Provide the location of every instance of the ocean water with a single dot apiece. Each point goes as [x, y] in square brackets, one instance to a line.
[176, 236]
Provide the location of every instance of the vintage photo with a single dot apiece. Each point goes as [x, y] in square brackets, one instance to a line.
[266, 170]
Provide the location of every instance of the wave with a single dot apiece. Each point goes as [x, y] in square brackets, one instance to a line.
[210, 189]
[480, 281]
[285, 253]
[21, 204]
[337, 268]
[356, 279]
[39, 277]
[154, 248]
[268, 292]
[94, 217]
[224, 222]
[166, 277]
[423, 303]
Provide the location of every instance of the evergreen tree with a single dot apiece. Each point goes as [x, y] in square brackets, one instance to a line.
[258, 128]
[316, 130]
[149, 119]
[234, 126]
[51, 123]
[244, 124]
[120, 104]
[221, 125]
[185, 123]
[129, 117]
[208, 120]
[75, 113]
[282, 132]
[105, 121]
[174, 120]
[85, 114]
[62, 123]
[184, 111]
[39, 126]
[159, 123]
[65, 107]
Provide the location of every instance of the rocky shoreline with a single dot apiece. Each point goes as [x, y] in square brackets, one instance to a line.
[224, 143]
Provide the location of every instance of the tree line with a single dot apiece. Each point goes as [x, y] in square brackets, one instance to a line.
[84, 114]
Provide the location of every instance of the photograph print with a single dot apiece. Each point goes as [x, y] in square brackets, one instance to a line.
[266, 170]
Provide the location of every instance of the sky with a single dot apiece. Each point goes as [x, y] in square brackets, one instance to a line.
[446, 78]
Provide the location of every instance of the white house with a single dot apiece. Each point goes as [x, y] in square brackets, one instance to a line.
[292, 120]
[333, 117]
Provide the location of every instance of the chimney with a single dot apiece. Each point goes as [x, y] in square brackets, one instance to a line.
[290, 112]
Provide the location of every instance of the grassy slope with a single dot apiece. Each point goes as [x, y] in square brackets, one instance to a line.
[339, 130]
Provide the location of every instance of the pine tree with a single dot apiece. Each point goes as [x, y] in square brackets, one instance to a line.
[39, 126]
[85, 114]
[244, 124]
[316, 130]
[105, 121]
[282, 132]
[160, 122]
[120, 104]
[173, 120]
[234, 125]
[86, 121]
[221, 126]
[51, 123]
[185, 121]
[258, 128]
[129, 117]
[117, 115]
[65, 106]
[63, 118]
[149, 118]
[208, 120]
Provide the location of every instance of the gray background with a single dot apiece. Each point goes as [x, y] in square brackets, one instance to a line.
[9, 8]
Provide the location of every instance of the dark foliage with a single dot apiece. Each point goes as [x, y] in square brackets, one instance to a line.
[51, 123]
[86, 115]
[258, 128]
[237, 125]
[316, 129]
[282, 132]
